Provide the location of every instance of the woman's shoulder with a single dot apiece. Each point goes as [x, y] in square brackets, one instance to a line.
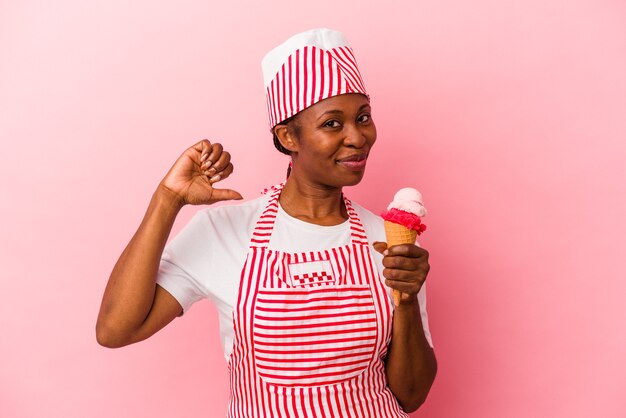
[230, 225]
[236, 207]
[232, 214]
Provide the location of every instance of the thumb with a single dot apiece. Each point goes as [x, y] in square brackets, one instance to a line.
[225, 194]
[380, 246]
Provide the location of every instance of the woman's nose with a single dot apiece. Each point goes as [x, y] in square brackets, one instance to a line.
[355, 136]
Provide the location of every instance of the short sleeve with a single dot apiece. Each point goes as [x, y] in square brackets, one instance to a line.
[421, 299]
[178, 283]
[184, 259]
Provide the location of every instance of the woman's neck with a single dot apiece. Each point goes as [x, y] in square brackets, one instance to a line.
[313, 203]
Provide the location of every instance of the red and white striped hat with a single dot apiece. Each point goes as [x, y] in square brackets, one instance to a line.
[306, 68]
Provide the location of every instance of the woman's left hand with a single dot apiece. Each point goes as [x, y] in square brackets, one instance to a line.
[406, 268]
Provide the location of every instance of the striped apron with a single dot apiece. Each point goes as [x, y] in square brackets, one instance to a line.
[311, 331]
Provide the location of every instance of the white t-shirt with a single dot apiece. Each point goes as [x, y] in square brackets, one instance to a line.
[206, 258]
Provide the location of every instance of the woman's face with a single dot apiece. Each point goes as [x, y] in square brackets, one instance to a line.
[334, 140]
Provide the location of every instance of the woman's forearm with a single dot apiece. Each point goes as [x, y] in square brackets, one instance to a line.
[130, 291]
[411, 365]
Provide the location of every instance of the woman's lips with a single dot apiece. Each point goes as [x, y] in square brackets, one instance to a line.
[353, 162]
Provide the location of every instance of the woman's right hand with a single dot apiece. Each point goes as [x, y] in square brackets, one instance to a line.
[192, 176]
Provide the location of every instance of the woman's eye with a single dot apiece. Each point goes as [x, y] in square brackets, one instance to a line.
[332, 124]
[365, 118]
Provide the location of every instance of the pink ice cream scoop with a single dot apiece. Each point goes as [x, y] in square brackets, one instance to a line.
[407, 209]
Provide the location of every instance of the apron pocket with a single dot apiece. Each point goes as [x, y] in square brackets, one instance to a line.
[313, 337]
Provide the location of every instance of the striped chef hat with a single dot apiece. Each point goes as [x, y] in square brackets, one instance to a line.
[306, 68]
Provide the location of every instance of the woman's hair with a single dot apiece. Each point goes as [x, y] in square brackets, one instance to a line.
[294, 127]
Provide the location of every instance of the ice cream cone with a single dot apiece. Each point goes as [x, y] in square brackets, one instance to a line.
[403, 222]
[398, 234]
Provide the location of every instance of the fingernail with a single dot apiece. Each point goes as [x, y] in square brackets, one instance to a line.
[208, 163]
[211, 171]
[204, 157]
[215, 178]
[386, 252]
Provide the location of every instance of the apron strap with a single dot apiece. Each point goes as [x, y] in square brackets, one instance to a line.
[357, 231]
[265, 224]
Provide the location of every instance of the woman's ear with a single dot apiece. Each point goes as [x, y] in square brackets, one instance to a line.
[286, 137]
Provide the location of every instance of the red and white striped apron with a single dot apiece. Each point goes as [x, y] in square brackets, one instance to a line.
[311, 331]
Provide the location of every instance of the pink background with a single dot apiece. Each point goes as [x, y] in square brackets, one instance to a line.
[510, 118]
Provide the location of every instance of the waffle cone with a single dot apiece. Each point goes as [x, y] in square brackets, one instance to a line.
[398, 234]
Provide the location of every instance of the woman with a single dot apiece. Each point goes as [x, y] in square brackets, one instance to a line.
[308, 327]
